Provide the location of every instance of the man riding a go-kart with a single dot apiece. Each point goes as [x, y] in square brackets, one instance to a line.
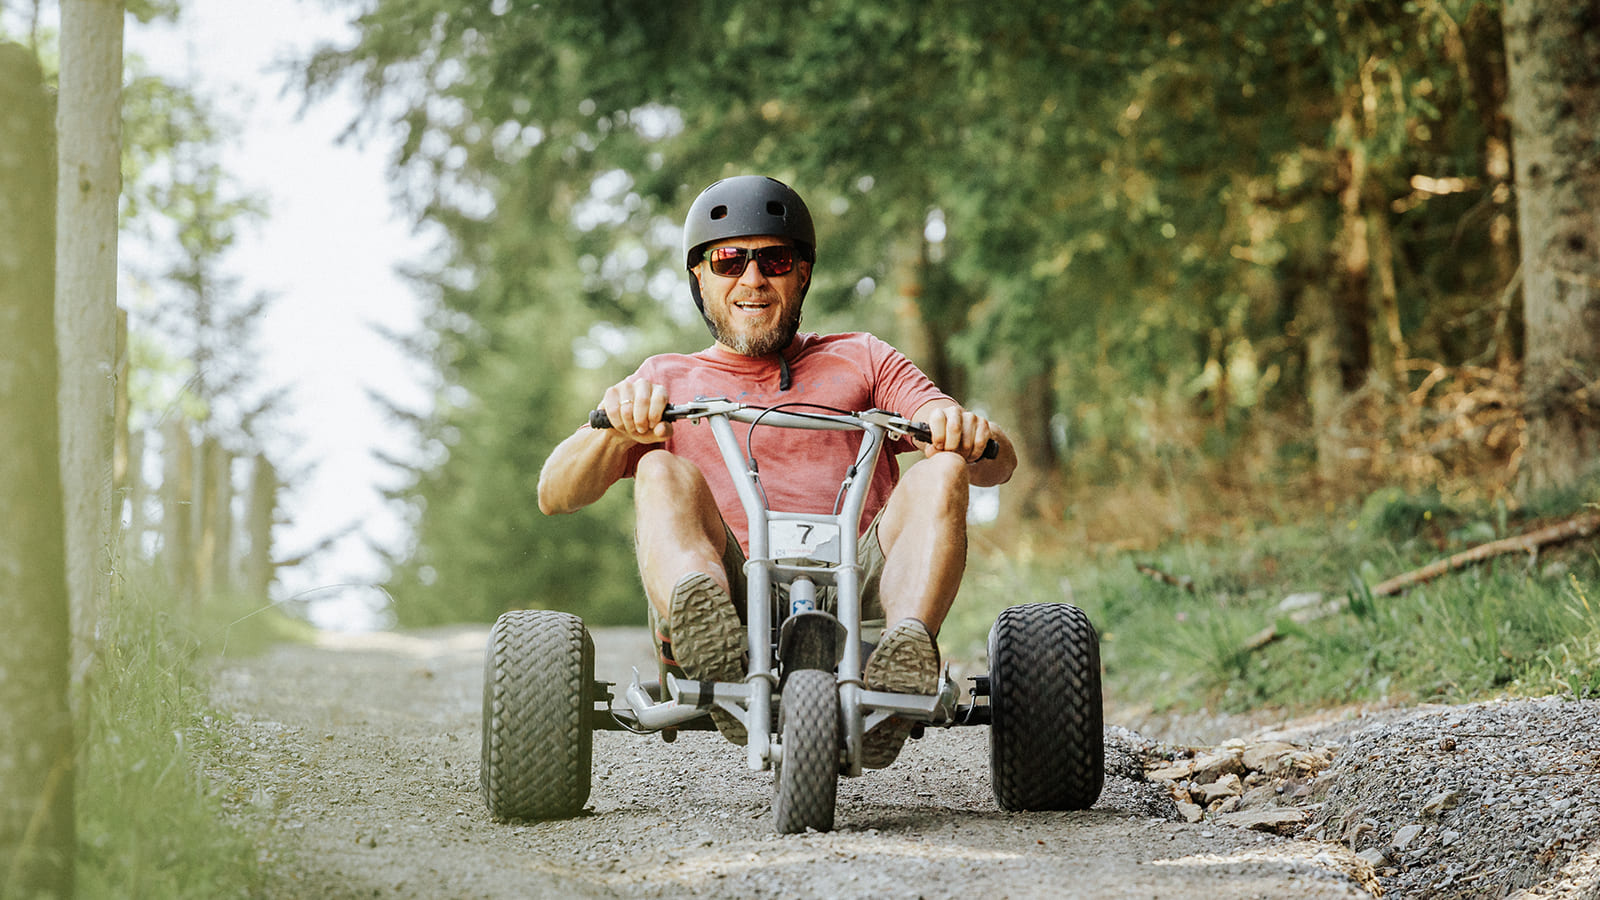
[739, 535]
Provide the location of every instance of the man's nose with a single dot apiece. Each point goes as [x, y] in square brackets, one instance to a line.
[752, 274]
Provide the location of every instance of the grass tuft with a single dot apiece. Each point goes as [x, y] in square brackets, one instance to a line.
[149, 824]
[1508, 627]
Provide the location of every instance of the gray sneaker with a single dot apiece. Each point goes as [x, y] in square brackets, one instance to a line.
[906, 662]
[708, 640]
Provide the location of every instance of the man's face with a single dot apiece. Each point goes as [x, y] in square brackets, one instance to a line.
[752, 314]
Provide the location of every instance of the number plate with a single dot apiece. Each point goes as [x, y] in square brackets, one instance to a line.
[803, 540]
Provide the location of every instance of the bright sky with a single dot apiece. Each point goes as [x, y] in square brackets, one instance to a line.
[328, 253]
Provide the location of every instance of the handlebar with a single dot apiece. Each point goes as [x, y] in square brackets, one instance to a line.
[699, 409]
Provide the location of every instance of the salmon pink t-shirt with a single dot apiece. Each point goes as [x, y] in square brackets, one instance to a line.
[800, 470]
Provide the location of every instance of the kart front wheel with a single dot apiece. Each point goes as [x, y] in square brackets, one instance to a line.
[808, 776]
[538, 745]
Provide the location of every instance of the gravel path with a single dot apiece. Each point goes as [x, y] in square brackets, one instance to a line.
[362, 753]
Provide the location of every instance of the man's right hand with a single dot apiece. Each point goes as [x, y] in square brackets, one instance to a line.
[635, 409]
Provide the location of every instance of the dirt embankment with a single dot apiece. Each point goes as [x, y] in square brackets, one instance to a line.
[362, 752]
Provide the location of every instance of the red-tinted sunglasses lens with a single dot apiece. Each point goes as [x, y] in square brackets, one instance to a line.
[729, 262]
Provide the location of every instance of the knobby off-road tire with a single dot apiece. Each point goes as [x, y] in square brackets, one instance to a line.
[1046, 746]
[538, 684]
[808, 777]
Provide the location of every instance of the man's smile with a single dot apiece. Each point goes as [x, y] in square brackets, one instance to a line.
[753, 305]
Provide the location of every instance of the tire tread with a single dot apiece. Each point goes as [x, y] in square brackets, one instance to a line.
[1046, 740]
[537, 742]
[808, 780]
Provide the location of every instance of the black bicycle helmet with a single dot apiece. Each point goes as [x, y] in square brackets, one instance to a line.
[745, 206]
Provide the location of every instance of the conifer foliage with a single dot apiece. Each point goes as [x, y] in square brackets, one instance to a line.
[1162, 239]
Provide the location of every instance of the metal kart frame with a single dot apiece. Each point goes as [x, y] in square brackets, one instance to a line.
[803, 551]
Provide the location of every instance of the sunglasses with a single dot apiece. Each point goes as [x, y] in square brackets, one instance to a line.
[729, 262]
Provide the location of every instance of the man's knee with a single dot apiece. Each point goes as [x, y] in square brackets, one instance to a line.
[664, 474]
[931, 494]
[673, 502]
[942, 475]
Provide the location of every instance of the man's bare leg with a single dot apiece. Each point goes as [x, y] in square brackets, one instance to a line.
[923, 533]
[678, 529]
[681, 539]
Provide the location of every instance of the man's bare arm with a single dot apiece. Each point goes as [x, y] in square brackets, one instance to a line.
[583, 467]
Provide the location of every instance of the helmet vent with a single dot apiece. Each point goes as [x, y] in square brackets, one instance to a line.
[719, 212]
[774, 208]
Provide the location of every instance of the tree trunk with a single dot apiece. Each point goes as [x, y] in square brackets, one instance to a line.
[1034, 490]
[1353, 269]
[215, 552]
[36, 747]
[1324, 382]
[262, 514]
[177, 510]
[1481, 53]
[1553, 63]
[1389, 351]
[223, 561]
[89, 119]
[932, 309]
[943, 305]
[123, 456]
[137, 492]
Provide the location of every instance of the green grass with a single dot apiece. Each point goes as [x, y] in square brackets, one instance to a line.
[149, 824]
[1505, 627]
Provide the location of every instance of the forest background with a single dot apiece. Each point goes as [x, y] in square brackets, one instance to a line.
[1269, 294]
[1214, 269]
[1212, 265]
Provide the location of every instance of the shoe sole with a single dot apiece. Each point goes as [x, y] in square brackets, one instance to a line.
[905, 662]
[708, 640]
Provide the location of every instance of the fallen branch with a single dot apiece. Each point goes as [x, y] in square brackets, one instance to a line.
[1184, 581]
[1572, 529]
[1581, 526]
[1261, 638]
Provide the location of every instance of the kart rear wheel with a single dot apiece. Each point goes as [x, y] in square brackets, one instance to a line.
[1046, 745]
[538, 745]
[808, 776]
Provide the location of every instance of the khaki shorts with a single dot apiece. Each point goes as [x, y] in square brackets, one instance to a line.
[869, 555]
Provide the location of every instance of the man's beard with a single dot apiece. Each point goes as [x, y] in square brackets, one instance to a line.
[764, 343]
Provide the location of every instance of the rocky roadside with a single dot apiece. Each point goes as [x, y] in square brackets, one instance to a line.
[1490, 800]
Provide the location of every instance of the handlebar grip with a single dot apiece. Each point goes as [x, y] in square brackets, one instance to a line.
[598, 419]
[921, 432]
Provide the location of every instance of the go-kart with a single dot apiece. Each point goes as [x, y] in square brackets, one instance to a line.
[802, 702]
